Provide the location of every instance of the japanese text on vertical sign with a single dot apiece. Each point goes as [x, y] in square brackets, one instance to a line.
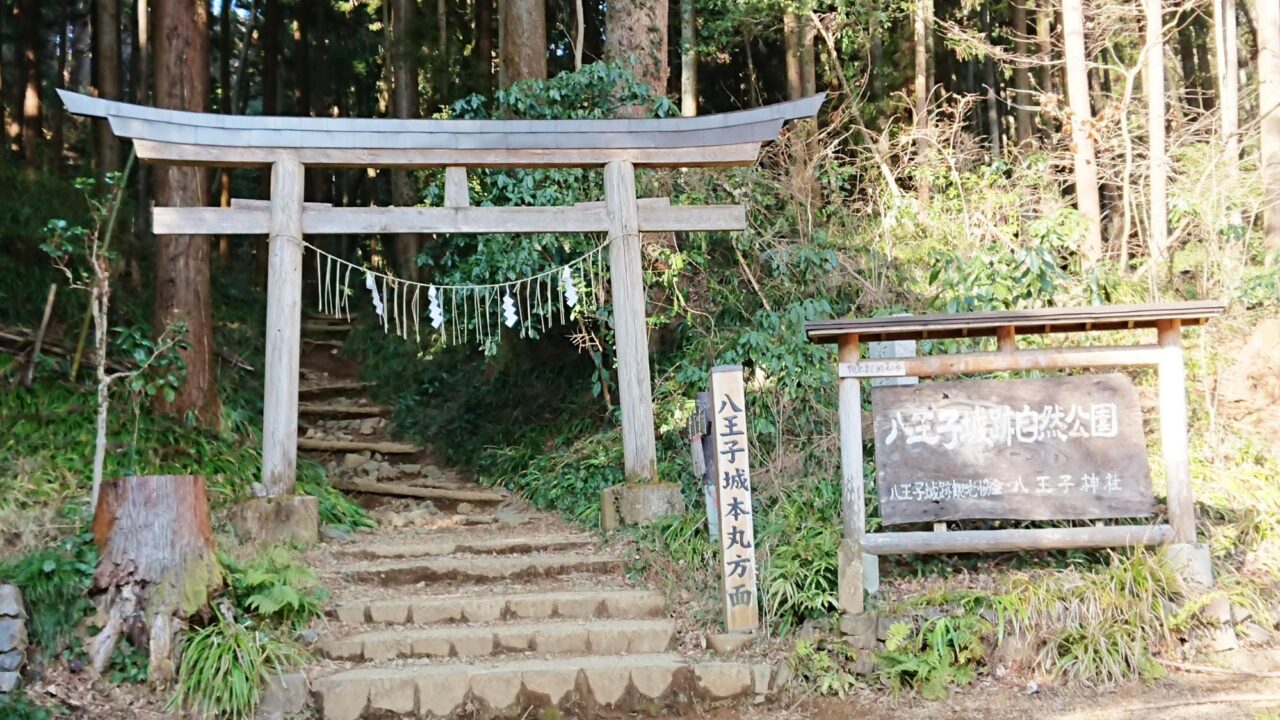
[733, 491]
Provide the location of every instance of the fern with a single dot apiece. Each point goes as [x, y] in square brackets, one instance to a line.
[273, 587]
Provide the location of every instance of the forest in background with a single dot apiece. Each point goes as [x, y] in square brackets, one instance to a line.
[970, 156]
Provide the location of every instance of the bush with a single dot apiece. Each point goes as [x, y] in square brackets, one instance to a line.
[224, 666]
[55, 583]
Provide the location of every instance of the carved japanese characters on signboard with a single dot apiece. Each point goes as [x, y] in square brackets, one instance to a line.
[1026, 449]
[733, 492]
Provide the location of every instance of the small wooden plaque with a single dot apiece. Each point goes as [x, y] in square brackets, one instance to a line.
[1029, 449]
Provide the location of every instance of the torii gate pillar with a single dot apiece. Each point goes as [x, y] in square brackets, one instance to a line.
[639, 453]
[284, 330]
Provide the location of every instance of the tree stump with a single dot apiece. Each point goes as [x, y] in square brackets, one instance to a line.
[157, 564]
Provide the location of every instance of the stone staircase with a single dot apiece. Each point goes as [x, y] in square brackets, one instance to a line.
[481, 606]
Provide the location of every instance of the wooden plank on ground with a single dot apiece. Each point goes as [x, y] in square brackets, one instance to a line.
[355, 446]
[343, 410]
[400, 490]
[341, 386]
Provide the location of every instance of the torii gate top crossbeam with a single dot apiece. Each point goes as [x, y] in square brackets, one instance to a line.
[214, 139]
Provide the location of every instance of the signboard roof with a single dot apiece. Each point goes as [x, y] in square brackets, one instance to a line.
[1024, 322]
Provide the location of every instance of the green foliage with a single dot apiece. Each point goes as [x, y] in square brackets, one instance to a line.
[801, 536]
[1100, 626]
[274, 587]
[224, 666]
[823, 667]
[128, 664]
[18, 707]
[55, 583]
[942, 652]
[336, 508]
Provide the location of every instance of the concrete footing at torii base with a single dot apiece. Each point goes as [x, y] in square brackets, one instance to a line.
[1192, 562]
[280, 519]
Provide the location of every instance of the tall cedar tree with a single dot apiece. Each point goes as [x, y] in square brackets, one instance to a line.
[523, 41]
[180, 32]
[636, 32]
[106, 77]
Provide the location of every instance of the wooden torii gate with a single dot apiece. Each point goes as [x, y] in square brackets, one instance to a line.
[290, 144]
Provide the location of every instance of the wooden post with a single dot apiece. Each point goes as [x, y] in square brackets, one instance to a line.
[853, 566]
[891, 349]
[1006, 340]
[456, 192]
[284, 329]
[1173, 432]
[639, 456]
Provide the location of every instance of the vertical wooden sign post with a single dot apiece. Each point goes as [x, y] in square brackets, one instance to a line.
[733, 494]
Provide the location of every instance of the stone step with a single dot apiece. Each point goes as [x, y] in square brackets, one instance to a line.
[479, 546]
[479, 568]
[575, 604]
[342, 410]
[413, 491]
[594, 637]
[591, 686]
[356, 446]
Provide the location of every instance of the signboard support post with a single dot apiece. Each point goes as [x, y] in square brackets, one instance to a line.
[885, 350]
[1173, 432]
[854, 566]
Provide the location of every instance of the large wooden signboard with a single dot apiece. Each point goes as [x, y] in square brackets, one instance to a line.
[733, 492]
[1029, 449]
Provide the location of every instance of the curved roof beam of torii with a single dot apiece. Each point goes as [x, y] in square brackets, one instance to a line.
[208, 138]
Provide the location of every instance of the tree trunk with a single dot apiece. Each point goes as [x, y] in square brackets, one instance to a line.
[523, 40]
[791, 44]
[923, 84]
[1044, 52]
[106, 77]
[1187, 59]
[142, 96]
[157, 564]
[271, 58]
[32, 95]
[636, 32]
[1268, 30]
[302, 67]
[1226, 46]
[224, 56]
[1086, 170]
[403, 59]
[1021, 75]
[182, 261]
[688, 58]
[1204, 70]
[60, 82]
[989, 79]
[1159, 225]
[441, 83]
[483, 48]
